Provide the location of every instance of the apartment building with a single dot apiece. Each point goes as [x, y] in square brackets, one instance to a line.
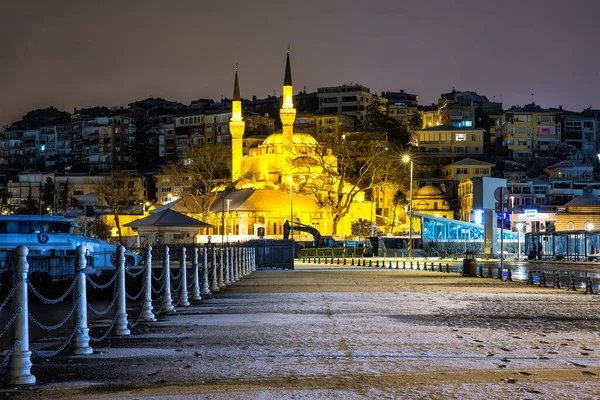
[320, 123]
[351, 100]
[530, 131]
[450, 140]
[581, 132]
[401, 105]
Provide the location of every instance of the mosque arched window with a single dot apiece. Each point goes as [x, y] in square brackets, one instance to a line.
[435, 205]
[570, 226]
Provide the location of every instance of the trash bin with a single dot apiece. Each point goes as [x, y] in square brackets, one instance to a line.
[469, 264]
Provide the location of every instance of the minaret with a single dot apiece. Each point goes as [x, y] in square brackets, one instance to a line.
[287, 113]
[236, 128]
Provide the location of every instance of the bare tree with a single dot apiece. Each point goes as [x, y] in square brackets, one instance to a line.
[336, 170]
[202, 171]
[115, 191]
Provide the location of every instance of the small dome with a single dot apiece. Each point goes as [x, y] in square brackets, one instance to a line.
[429, 191]
[585, 200]
[298, 138]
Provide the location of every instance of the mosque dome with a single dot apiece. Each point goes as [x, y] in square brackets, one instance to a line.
[429, 191]
[298, 138]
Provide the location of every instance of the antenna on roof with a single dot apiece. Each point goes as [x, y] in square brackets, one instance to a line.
[532, 99]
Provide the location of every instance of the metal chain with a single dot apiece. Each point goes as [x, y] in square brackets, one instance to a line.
[175, 288]
[162, 287]
[175, 277]
[134, 274]
[114, 300]
[61, 323]
[93, 339]
[98, 286]
[11, 293]
[159, 277]
[9, 353]
[60, 349]
[10, 321]
[139, 317]
[137, 296]
[52, 301]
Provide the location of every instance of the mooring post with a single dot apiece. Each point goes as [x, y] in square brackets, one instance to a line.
[214, 284]
[167, 303]
[121, 324]
[81, 340]
[220, 280]
[196, 296]
[147, 314]
[19, 365]
[183, 293]
[205, 290]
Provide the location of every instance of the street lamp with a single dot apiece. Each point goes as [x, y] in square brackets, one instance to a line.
[228, 216]
[144, 205]
[520, 226]
[291, 182]
[406, 159]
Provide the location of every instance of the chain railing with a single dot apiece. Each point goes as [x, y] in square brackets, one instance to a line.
[217, 267]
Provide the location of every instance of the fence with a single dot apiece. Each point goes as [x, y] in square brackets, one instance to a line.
[200, 272]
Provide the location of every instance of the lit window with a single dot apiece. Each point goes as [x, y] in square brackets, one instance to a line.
[461, 137]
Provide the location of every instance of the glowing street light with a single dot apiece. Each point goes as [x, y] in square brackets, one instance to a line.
[406, 159]
[520, 227]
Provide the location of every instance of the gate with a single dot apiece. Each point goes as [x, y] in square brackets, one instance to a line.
[273, 253]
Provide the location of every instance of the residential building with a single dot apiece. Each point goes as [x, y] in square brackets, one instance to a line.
[430, 115]
[528, 194]
[530, 131]
[450, 140]
[581, 132]
[320, 123]
[465, 109]
[349, 100]
[401, 105]
[11, 145]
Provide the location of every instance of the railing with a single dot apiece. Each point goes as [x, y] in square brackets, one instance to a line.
[203, 271]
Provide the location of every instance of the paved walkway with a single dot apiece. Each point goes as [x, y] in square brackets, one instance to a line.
[347, 334]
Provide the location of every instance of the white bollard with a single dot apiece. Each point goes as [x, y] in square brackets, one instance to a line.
[226, 279]
[205, 290]
[183, 293]
[231, 269]
[81, 340]
[236, 276]
[147, 314]
[121, 323]
[19, 365]
[241, 264]
[167, 303]
[238, 254]
[246, 269]
[253, 258]
[220, 280]
[195, 278]
[214, 286]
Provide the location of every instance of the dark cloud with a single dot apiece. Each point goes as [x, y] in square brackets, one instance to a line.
[82, 53]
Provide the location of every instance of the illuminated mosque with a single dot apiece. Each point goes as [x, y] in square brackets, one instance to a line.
[264, 194]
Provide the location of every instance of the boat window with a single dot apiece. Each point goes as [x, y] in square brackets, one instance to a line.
[35, 227]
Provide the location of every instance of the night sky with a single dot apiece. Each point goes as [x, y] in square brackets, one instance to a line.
[84, 53]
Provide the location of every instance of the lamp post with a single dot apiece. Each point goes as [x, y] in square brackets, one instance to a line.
[228, 203]
[144, 205]
[407, 159]
[291, 182]
[520, 226]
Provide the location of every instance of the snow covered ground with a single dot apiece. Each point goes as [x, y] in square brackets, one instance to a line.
[351, 334]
